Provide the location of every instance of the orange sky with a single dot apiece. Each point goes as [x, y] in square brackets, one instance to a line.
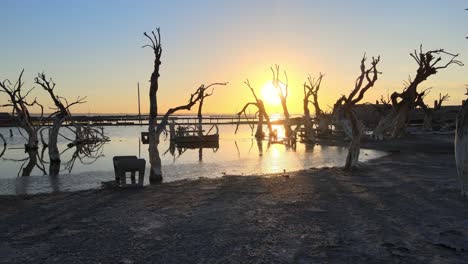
[93, 49]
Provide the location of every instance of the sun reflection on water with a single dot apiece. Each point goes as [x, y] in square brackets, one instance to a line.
[238, 154]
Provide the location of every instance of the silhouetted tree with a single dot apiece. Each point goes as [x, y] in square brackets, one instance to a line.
[155, 161]
[394, 123]
[283, 92]
[344, 108]
[20, 109]
[61, 114]
[261, 113]
[154, 128]
[200, 106]
[461, 145]
[428, 111]
[311, 89]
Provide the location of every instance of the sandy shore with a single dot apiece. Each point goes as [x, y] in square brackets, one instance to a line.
[402, 208]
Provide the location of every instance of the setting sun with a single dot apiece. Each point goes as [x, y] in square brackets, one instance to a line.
[269, 94]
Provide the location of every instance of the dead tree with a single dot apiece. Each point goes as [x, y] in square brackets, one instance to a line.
[200, 106]
[29, 163]
[311, 89]
[322, 118]
[196, 97]
[61, 114]
[155, 160]
[20, 109]
[381, 108]
[394, 123]
[261, 113]
[344, 108]
[155, 129]
[461, 147]
[430, 112]
[283, 93]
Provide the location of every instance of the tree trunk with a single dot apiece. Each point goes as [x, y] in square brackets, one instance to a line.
[200, 117]
[259, 134]
[399, 125]
[32, 137]
[54, 153]
[287, 126]
[32, 153]
[384, 125]
[308, 126]
[54, 168]
[263, 113]
[323, 125]
[355, 145]
[155, 160]
[153, 138]
[461, 148]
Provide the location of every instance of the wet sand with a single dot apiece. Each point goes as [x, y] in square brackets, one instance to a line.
[402, 208]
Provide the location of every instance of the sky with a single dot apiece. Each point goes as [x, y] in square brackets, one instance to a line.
[94, 48]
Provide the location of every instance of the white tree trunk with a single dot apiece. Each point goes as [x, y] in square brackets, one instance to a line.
[155, 159]
[355, 146]
[54, 153]
[461, 148]
[353, 153]
[32, 137]
[384, 126]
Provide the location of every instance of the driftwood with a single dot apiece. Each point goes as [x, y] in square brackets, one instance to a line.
[343, 108]
[394, 123]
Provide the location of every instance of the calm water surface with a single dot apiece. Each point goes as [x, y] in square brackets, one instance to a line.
[238, 154]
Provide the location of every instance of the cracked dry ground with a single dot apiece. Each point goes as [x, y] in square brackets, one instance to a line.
[403, 208]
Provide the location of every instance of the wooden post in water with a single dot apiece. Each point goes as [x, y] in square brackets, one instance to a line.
[139, 112]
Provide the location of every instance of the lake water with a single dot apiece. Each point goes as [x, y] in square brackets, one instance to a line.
[238, 154]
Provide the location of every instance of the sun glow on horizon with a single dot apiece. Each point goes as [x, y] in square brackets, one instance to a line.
[269, 94]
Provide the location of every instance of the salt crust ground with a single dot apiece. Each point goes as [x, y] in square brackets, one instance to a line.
[402, 208]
